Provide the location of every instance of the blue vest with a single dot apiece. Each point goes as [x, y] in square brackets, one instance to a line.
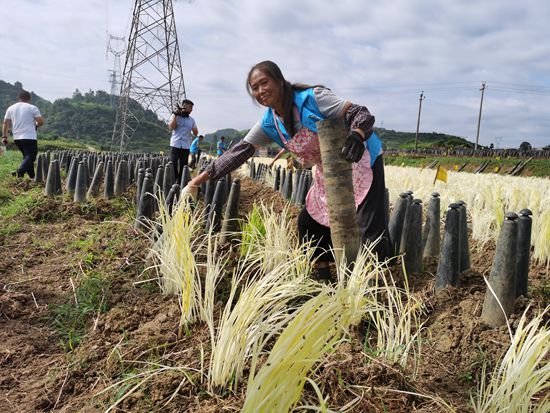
[309, 113]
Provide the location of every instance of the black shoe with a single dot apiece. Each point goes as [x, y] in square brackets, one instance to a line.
[13, 173]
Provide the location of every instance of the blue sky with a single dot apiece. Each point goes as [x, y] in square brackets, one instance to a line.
[380, 53]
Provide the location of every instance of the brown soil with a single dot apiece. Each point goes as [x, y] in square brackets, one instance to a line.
[40, 264]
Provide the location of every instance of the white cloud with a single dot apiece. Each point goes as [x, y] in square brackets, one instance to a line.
[378, 53]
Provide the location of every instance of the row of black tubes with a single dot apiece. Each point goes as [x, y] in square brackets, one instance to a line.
[85, 172]
[509, 272]
[292, 185]
[152, 175]
[510, 268]
[215, 194]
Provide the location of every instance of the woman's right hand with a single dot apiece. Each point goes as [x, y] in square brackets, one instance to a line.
[191, 191]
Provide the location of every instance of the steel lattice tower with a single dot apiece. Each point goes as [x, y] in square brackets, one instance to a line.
[115, 71]
[152, 74]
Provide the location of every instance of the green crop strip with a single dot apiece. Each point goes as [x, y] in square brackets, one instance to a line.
[71, 320]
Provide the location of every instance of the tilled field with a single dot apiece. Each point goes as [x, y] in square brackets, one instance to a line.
[52, 360]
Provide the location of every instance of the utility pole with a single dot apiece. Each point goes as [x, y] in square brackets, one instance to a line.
[422, 97]
[483, 87]
[153, 75]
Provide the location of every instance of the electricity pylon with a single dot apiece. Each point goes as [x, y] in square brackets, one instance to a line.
[152, 75]
[117, 51]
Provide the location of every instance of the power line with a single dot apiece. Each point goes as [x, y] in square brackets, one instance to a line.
[521, 92]
[455, 86]
[520, 85]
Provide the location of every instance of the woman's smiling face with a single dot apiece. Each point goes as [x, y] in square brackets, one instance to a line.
[265, 89]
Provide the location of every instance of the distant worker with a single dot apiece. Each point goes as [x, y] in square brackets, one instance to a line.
[24, 119]
[195, 151]
[183, 129]
[221, 148]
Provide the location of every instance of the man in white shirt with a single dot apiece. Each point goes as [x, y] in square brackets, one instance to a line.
[184, 129]
[23, 119]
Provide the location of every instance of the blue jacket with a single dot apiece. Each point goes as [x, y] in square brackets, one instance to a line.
[309, 113]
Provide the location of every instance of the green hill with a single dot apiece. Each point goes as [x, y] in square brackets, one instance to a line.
[405, 140]
[89, 118]
[9, 93]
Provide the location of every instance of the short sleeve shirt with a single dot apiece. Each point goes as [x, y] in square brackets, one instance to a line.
[194, 145]
[182, 136]
[22, 116]
[221, 148]
[330, 106]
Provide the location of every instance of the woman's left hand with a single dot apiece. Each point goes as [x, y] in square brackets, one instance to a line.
[354, 147]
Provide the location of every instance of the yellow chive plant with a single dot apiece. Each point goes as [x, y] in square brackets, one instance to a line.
[520, 381]
[261, 310]
[397, 320]
[214, 266]
[271, 235]
[252, 231]
[272, 273]
[176, 252]
[360, 282]
[488, 197]
[316, 327]
[313, 330]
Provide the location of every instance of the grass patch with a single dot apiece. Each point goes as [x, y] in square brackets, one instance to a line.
[62, 144]
[9, 228]
[9, 162]
[71, 320]
[14, 202]
[20, 204]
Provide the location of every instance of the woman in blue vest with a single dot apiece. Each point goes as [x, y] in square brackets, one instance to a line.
[292, 111]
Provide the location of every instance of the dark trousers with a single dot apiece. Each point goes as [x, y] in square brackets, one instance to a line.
[194, 159]
[371, 219]
[29, 149]
[179, 157]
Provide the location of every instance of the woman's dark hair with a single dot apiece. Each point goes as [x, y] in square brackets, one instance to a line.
[271, 69]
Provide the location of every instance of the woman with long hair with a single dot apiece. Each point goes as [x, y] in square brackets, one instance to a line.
[292, 111]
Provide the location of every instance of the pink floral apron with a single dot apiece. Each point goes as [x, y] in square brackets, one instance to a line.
[305, 145]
